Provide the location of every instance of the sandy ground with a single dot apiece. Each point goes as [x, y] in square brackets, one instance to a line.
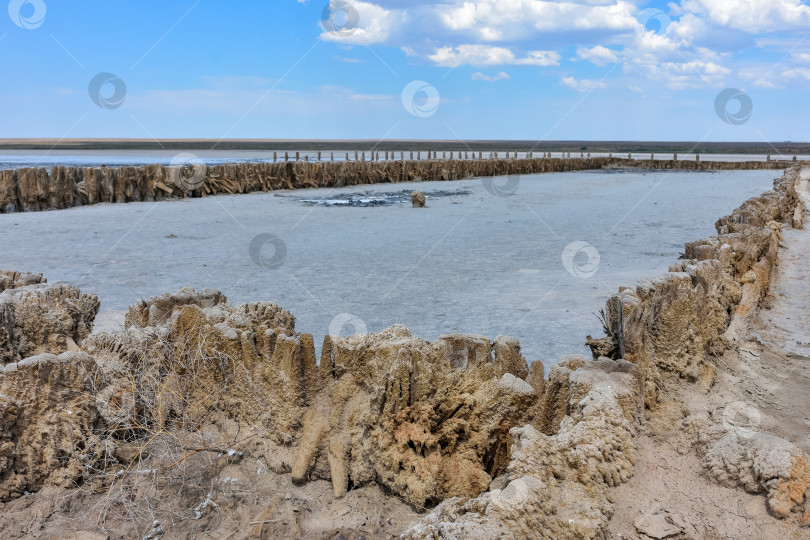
[471, 262]
[250, 500]
[768, 378]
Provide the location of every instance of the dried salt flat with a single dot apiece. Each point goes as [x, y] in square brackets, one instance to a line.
[479, 260]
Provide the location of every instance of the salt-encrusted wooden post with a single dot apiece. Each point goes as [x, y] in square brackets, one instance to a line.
[347, 156]
[355, 155]
[769, 157]
[794, 158]
[274, 157]
[652, 156]
[286, 157]
[306, 158]
[297, 156]
[629, 155]
[332, 156]
[675, 156]
[697, 157]
[319, 156]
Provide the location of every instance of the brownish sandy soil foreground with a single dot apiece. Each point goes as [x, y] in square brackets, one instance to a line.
[205, 420]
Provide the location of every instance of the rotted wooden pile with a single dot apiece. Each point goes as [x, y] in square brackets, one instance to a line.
[34, 189]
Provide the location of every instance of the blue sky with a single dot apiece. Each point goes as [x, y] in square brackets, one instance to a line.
[489, 69]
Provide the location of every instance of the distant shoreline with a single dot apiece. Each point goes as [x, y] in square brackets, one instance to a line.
[681, 147]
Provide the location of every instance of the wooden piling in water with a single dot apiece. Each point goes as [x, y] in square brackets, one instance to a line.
[33, 189]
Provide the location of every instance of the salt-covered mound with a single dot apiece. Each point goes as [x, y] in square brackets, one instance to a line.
[425, 420]
[447, 420]
[37, 317]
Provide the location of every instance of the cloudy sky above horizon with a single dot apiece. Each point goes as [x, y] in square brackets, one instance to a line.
[415, 69]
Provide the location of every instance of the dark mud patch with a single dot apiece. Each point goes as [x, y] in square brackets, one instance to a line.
[372, 198]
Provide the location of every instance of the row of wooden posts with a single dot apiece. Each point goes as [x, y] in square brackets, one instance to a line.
[377, 155]
[34, 189]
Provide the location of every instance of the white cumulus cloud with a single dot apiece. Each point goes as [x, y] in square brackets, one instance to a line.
[598, 55]
[500, 76]
[583, 85]
[490, 55]
[752, 15]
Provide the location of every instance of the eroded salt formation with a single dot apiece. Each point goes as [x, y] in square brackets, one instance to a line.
[37, 317]
[425, 420]
[460, 426]
[674, 327]
[33, 189]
